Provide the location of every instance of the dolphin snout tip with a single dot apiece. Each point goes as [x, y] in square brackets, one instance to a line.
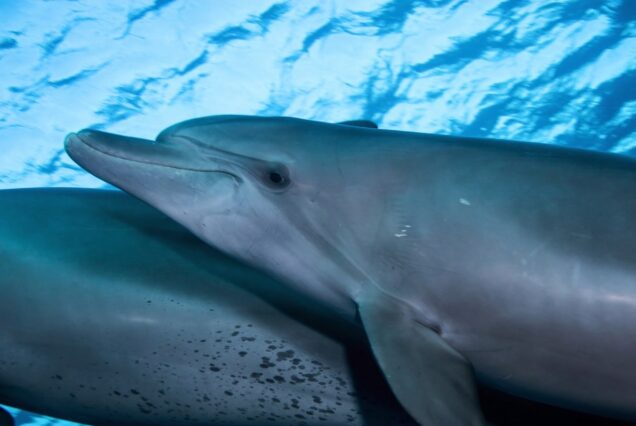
[76, 139]
[75, 143]
[70, 141]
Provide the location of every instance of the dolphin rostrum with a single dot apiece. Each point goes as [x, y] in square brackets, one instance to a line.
[512, 263]
[112, 314]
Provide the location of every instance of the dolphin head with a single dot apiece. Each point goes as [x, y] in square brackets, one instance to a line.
[266, 190]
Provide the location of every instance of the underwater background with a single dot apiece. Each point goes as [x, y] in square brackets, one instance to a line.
[560, 72]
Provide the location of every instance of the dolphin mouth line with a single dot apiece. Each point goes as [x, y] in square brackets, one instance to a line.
[148, 162]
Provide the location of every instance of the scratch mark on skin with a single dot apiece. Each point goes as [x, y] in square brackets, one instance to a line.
[403, 232]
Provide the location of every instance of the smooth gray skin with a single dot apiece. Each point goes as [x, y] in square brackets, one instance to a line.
[111, 313]
[522, 257]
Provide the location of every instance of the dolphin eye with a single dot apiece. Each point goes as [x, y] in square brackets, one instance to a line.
[277, 178]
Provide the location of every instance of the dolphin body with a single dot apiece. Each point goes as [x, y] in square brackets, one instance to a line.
[514, 263]
[78, 269]
[113, 314]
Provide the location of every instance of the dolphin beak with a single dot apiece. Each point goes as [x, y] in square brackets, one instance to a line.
[108, 143]
[88, 146]
[157, 172]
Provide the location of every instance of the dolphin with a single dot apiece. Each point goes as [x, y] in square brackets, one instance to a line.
[113, 314]
[71, 256]
[465, 260]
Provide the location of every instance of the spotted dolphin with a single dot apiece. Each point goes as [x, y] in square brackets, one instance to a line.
[113, 314]
[513, 264]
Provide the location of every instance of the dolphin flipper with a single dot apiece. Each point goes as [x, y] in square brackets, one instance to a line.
[360, 123]
[6, 419]
[432, 381]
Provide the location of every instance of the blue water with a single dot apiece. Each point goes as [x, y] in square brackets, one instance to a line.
[561, 72]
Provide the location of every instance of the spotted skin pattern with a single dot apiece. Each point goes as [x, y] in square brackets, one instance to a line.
[113, 314]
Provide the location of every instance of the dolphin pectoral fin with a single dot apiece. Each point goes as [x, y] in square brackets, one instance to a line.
[360, 123]
[6, 419]
[432, 381]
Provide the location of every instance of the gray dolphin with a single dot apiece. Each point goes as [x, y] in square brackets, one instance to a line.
[111, 313]
[511, 262]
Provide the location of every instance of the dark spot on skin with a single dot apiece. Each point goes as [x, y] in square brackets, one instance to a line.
[266, 363]
[284, 355]
[143, 409]
[134, 392]
[310, 377]
[295, 379]
[242, 353]
[228, 393]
